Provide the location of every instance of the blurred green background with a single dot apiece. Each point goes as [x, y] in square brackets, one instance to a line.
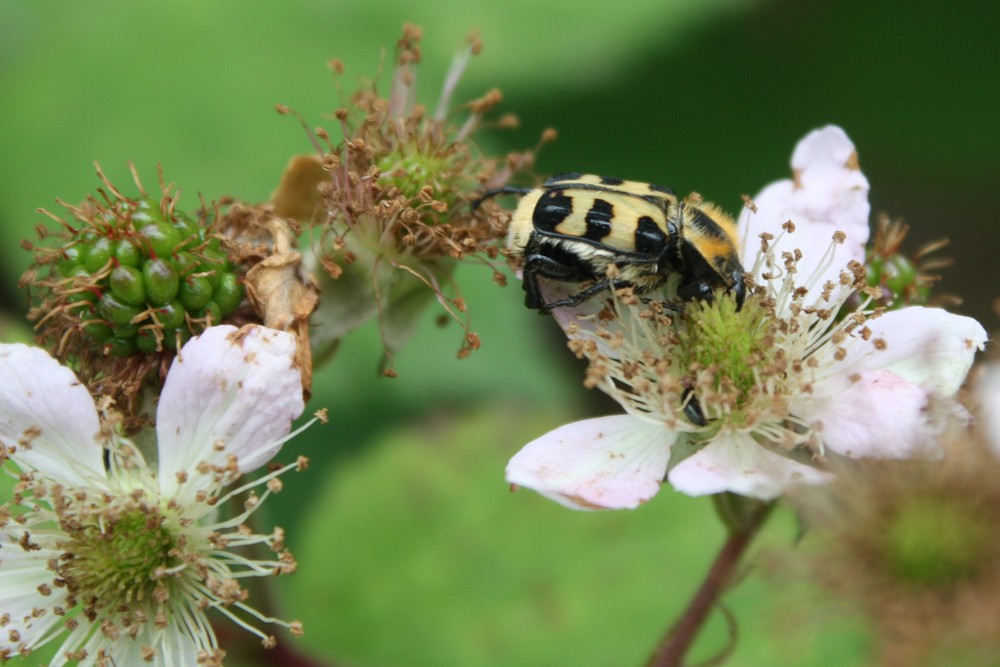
[411, 549]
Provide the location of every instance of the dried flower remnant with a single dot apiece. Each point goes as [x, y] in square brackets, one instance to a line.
[911, 544]
[120, 557]
[124, 282]
[394, 212]
[279, 290]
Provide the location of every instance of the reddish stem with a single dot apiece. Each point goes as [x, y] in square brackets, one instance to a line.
[678, 639]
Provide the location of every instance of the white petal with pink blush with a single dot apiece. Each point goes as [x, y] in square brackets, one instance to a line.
[733, 462]
[874, 414]
[927, 346]
[828, 194]
[229, 393]
[604, 463]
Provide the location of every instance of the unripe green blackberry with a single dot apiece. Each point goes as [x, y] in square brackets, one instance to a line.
[904, 280]
[130, 276]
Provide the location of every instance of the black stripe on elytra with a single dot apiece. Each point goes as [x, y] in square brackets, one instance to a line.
[598, 220]
[608, 180]
[656, 200]
[661, 188]
[649, 238]
[552, 208]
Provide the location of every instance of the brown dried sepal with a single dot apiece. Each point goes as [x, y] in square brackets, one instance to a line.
[280, 291]
[297, 195]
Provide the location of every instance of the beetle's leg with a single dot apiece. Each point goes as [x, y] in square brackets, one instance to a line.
[666, 305]
[541, 259]
[585, 294]
[692, 409]
[538, 264]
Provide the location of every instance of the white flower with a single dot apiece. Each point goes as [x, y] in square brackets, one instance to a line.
[828, 194]
[751, 401]
[121, 558]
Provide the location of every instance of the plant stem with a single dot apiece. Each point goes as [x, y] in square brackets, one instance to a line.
[678, 639]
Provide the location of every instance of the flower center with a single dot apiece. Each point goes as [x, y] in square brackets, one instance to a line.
[729, 355]
[116, 559]
[410, 170]
[934, 543]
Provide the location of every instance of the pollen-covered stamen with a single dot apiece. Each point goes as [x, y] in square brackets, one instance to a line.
[714, 367]
[113, 556]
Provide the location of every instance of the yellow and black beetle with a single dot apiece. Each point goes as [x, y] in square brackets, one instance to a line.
[574, 226]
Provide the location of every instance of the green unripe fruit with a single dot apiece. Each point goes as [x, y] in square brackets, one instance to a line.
[118, 347]
[98, 331]
[145, 341]
[147, 209]
[187, 227]
[874, 268]
[185, 263]
[171, 316]
[195, 292]
[210, 311]
[899, 274]
[216, 261]
[160, 239]
[172, 338]
[127, 285]
[71, 258]
[228, 293]
[116, 311]
[98, 253]
[161, 281]
[90, 296]
[124, 331]
[82, 305]
[128, 254]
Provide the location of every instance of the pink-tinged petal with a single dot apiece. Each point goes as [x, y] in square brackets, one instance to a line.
[926, 346]
[228, 393]
[735, 463]
[47, 418]
[874, 414]
[828, 194]
[604, 463]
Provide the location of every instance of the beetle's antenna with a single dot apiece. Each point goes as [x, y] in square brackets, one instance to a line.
[496, 192]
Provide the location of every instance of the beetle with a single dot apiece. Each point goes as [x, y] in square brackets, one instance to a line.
[574, 226]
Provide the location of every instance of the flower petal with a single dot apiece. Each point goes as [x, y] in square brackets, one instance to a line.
[871, 414]
[605, 463]
[927, 346]
[228, 393]
[828, 194]
[48, 418]
[735, 463]
[177, 644]
[28, 585]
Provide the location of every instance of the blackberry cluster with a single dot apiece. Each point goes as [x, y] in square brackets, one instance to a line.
[138, 279]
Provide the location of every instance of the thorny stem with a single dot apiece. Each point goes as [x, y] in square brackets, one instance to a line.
[744, 517]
